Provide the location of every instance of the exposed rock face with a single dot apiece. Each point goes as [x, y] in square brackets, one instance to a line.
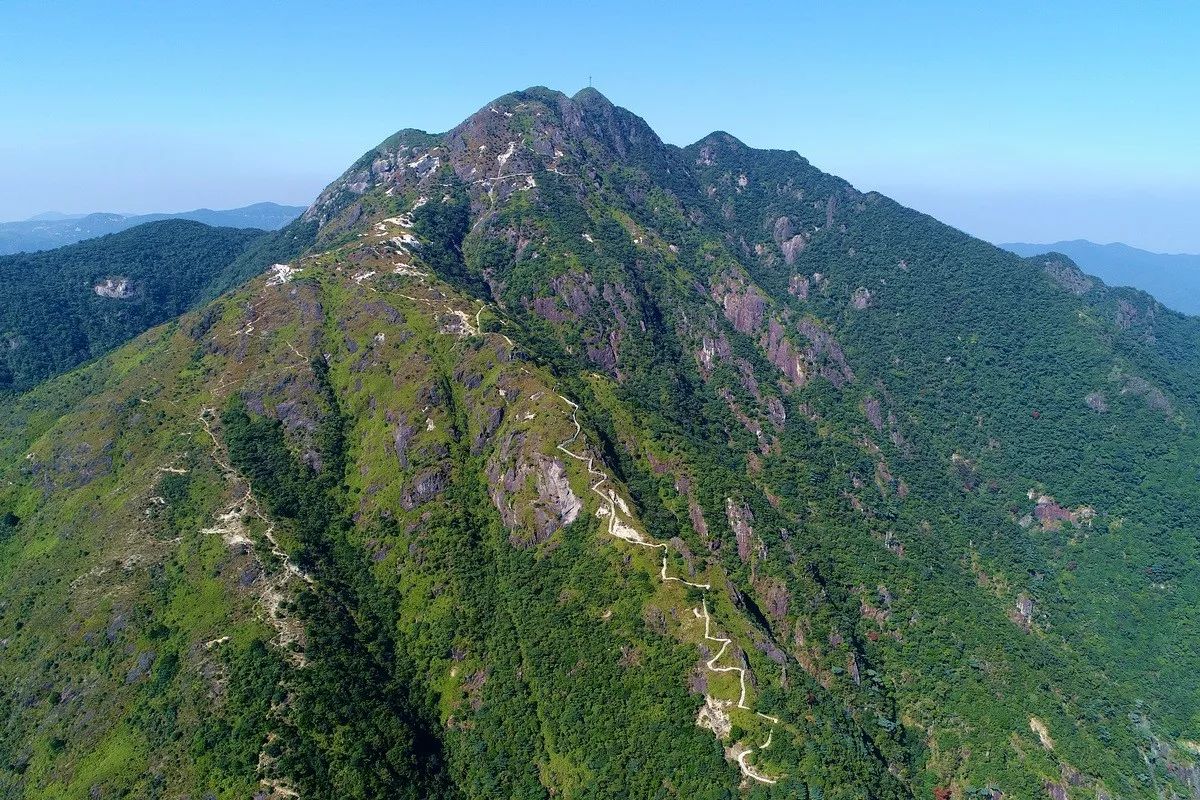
[1068, 276]
[784, 355]
[714, 716]
[776, 411]
[740, 517]
[775, 598]
[790, 242]
[792, 248]
[798, 286]
[783, 230]
[530, 518]
[116, 288]
[574, 297]
[1140, 387]
[1022, 612]
[825, 348]
[1186, 774]
[401, 438]
[683, 485]
[1039, 727]
[1051, 515]
[426, 486]
[1056, 791]
[1126, 314]
[558, 505]
[874, 411]
[744, 306]
[861, 298]
[713, 350]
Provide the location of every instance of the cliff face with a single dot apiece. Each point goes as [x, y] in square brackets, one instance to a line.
[567, 462]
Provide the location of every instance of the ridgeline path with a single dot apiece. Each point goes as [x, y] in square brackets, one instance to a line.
[613, 502]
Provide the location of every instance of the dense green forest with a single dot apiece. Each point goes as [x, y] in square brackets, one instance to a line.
[560, 462]
[63, 307]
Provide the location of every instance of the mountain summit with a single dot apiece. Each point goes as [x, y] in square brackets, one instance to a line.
[554, 460]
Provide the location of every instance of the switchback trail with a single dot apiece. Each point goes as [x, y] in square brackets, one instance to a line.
[611, 503]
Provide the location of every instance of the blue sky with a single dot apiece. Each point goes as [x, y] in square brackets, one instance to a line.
[1017, 121]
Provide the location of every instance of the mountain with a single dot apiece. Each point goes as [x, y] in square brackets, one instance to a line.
[566, 462]
[54, 216]
[1174, 279]
[51, 229]
[63, 307]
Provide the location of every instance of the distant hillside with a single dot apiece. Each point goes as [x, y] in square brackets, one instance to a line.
[66, 306]
[1174, 280]
[52, 229]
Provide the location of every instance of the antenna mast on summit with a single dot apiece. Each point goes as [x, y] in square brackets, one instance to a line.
[589, 81]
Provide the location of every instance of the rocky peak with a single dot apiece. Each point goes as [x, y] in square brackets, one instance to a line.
[504, 147]
[548, 125]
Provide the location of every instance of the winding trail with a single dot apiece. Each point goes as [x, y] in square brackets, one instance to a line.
[626, 533]
[230, 526]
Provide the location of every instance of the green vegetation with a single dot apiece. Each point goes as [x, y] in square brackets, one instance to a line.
[327, 536]
[53, 316]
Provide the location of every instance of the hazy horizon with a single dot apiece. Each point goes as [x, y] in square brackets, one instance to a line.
[1025, 123]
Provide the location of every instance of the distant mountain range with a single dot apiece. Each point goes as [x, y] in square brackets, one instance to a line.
[54, 229]
[1173, 279]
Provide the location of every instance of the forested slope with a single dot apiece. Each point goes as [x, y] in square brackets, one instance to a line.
[570, 463]
[63, 307]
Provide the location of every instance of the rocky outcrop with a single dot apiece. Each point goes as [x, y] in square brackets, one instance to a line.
[790, 242]
[534, 516]
[1022, 612]
[683, 485]
[402, 437]
[784, 355]
[117, 288]
[799, 286]
[825, 350]
[744, 305]
[1155, 398]
[1050, 515]
[427, 485]
[740, 518]
[557, 505]
[1068, 276]
[873, 410]
[713, 350]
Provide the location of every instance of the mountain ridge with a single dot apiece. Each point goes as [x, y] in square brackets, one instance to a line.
[44, 232]
[933, 486]
[1173, 278]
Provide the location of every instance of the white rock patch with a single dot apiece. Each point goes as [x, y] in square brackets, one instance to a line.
[282, 273]
[114, 288]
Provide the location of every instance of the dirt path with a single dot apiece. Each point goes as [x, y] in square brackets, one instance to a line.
[621, 530]
[231, 527]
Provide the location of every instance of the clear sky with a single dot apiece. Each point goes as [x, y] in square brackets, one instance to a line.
[1015, 121]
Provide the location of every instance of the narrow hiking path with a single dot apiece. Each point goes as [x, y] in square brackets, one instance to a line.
[612, 502]
[272, 597]
[231, 526]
